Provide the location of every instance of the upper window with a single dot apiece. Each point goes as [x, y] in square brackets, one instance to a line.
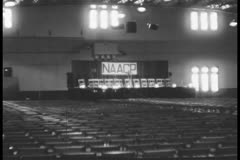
[204, 21]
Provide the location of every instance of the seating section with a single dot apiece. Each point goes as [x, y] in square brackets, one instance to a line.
[69, 130]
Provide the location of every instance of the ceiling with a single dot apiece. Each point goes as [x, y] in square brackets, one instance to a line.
[224, 5]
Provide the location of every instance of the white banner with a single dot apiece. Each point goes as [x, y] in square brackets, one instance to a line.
[119, 68]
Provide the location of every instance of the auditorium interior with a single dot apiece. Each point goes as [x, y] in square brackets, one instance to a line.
[119, 79]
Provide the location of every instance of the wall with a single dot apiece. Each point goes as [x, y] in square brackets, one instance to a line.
[47, 71]
[41, 61]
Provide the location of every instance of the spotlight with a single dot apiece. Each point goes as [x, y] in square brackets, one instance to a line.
[11, 3]
[152, 26]
[141, 9]
[233, 23]
[174, 85]
[190, 85]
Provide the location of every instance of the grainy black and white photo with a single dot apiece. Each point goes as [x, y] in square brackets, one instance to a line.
[119, 79]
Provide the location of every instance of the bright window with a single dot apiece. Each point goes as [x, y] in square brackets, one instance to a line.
[7, 18]
[204, 21]
[104, 19]
[93, 16]
[103, 16]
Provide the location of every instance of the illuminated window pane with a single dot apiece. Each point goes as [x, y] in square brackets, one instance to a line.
[204, 82]
[194, 20]
[104, 19]
[93, 6]
[114, 18]
[7, 18]
[93, 19]
[204, 20]
[213, 21]
[214, 82]
[195, 81]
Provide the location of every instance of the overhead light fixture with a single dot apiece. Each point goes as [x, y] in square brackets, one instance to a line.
[141, 9]
[233, 23]
[11, 3]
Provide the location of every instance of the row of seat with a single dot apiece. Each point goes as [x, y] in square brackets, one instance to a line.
[79, 129]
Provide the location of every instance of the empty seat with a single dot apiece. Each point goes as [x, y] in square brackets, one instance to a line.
[38, 157]
[118, 154]
[78, 155]
[142, 146]
[194, 152]
[104, 148]
[159, 153]
[226, 151]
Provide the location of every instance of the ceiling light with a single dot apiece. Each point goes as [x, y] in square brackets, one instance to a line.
[233, 23]
[141, 9]
[11, 3]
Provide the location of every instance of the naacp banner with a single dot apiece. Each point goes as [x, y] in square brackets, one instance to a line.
[119, 68]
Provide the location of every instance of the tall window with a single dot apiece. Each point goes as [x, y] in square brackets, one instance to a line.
[195, 78]
[204, 21]
[214, 79]
[103, 16]
[204, 79]
[7, 18]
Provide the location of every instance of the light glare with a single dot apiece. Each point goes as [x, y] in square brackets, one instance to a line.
[233, 23]
[174, 85]
[10, 3]
[141, 9]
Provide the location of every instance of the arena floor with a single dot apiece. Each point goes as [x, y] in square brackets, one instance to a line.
[120, 129]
